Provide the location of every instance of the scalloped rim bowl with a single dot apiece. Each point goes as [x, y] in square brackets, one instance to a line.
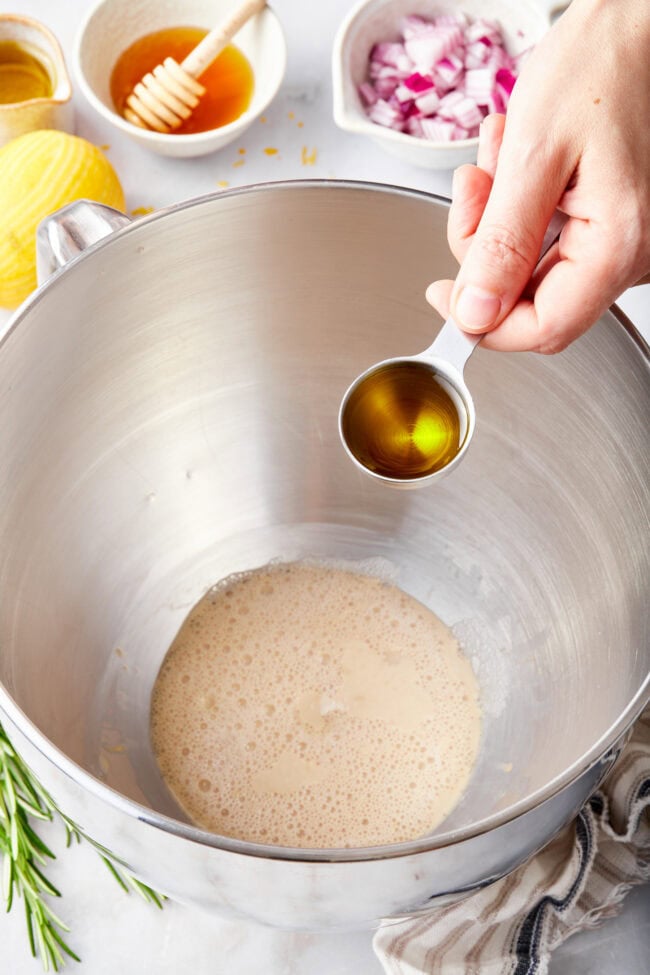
[523, 23]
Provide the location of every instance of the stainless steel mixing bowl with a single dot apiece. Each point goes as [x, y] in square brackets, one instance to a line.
[168, 409]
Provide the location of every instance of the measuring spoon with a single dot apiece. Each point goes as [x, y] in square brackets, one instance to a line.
[408, 421]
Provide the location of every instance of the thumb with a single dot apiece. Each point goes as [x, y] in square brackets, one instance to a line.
[506, 246]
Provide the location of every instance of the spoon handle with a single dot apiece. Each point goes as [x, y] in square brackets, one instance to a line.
[213, 43]
[455, 346]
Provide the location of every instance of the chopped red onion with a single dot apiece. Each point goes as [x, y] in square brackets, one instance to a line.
[414, 127]
[368, 93]
[385, 87]
[427, 48]
[441, 78]
[505, 79]
[427, 104]
[480, 84]
[477, 54]
[380, 70]
[412, 25]
[437, 129]
[418, 82]
[385, 114]
[467, 113]
[392, 54]
[495, 104]
[449, 71]
[481, 28]
[404, 95]
[448, 104]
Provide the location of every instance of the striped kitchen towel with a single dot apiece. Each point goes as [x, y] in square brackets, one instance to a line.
[574, 883]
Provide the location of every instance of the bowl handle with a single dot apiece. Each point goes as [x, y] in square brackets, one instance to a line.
[66, 233]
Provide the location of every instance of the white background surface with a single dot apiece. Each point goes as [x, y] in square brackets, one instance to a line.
[114, 933]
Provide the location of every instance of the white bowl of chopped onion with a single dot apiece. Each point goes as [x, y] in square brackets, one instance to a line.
[418, 76]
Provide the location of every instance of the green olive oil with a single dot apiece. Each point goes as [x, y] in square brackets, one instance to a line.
[402, 422]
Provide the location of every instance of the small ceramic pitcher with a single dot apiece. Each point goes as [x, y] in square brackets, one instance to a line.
[53, 112]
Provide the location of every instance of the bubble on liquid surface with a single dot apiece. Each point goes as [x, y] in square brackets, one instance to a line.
[325, 708]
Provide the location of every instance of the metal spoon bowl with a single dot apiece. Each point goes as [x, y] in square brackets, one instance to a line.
[408, 421]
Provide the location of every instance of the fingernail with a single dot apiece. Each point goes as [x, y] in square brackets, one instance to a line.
[476, 308]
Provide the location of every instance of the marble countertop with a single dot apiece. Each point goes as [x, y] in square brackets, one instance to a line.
[113, 932]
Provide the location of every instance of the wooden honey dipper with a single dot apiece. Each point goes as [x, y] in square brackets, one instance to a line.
[166, 96]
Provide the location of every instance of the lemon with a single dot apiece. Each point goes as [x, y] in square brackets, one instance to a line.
[40, 172]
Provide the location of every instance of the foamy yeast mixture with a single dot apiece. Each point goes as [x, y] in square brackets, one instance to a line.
[311, 706]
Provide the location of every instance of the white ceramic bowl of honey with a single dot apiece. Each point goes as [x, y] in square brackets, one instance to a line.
[120, 30]
[35, 90]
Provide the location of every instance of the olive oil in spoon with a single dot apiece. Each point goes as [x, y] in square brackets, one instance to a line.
[408, 421]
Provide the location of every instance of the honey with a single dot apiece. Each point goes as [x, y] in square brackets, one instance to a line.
[23, 76]
[403, 421]
[228, 81]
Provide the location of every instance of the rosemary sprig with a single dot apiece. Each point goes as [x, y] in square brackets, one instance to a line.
[24, 855]
[128, 882]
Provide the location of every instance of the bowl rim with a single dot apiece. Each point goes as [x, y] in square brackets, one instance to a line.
[597, 753]
[168, 138]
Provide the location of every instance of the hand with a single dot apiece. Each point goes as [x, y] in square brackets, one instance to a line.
[576, 138]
